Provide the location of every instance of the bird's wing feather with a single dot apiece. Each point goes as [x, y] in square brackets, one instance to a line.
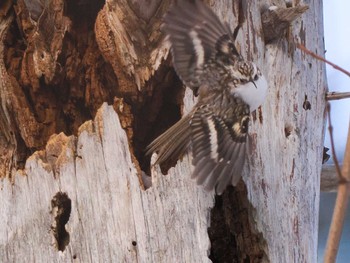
[196, 35]
[218, 151]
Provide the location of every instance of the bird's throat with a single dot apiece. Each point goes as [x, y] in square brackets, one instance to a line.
[252, 93]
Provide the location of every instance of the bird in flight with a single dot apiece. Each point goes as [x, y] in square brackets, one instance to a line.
[229, 88]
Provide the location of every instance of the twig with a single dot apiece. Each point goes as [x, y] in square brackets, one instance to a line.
[303, 48]
[339, 210]
[330, 128]
[337, 95]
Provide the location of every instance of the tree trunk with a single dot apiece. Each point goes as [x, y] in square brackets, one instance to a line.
[74, 173]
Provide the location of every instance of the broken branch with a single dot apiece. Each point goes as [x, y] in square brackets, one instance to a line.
[337, 95]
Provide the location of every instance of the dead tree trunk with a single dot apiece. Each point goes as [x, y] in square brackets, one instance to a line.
[73, 171]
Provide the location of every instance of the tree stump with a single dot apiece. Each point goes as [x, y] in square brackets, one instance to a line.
[85, 86]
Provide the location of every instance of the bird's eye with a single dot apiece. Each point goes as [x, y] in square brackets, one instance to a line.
[256, 77]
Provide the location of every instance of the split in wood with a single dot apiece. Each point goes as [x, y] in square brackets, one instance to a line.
[276, 20]
[306, 104]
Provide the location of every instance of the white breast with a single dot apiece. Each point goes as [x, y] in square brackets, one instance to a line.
[253, 96]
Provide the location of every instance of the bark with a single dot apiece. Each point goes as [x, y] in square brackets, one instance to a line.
[74, 172]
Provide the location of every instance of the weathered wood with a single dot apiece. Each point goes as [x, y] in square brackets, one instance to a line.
[112, 218]
[276, 20]
[7, 138]
[129, 37]
[284, 169]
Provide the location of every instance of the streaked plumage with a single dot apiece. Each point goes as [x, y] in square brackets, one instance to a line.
[205, 57]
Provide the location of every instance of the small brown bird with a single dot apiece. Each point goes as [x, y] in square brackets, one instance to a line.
[229, 88]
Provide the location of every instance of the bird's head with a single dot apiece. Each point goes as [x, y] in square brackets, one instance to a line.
[250, 84]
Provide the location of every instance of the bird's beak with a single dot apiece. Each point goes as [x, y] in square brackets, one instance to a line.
[252, 81]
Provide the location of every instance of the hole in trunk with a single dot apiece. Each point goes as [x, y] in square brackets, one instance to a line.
[288, 130]
[232, 235]
[61, 209]
[160, 109]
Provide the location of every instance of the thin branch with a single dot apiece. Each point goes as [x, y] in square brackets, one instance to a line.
[337, 95]
[330, 128]
[303, 48]
[339, 210]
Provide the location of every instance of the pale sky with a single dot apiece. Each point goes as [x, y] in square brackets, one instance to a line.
[337, 41]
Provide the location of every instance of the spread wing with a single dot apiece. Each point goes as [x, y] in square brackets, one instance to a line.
[218, 148]
[197, 37]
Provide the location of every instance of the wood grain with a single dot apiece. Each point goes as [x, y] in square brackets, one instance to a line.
[112, 218]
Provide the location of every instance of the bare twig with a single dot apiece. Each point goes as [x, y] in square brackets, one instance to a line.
[337, 95]
[309, 52]
[339, 209]
[330, 128]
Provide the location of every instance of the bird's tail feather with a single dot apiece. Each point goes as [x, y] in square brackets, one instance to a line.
[173, 142]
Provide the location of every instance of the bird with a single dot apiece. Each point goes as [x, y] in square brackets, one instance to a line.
[229, 88]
